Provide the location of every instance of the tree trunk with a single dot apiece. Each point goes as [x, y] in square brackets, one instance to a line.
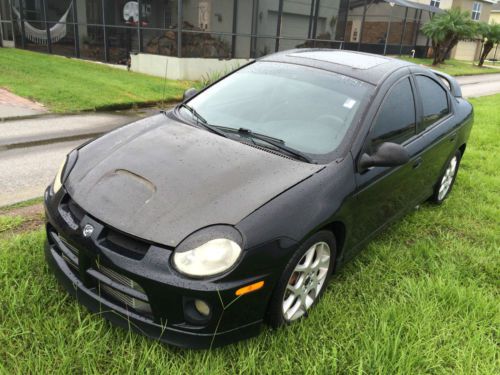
[450, 45]
[435, 48]
[487, 47]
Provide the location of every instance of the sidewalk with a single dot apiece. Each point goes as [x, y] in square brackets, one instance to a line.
[12, 106]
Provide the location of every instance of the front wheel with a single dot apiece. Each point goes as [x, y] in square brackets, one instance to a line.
[304, 280]
[446, 181]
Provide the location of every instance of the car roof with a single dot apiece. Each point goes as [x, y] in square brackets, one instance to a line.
[366, 67]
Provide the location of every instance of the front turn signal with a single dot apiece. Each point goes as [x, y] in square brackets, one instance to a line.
[250, 288]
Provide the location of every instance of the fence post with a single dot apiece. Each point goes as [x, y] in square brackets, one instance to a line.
[278, 27]
[23, 33]
[179, 28]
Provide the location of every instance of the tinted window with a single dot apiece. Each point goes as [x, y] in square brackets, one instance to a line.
[434, 100]
[396, 118]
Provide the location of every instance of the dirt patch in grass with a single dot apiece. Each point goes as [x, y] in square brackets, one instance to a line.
[22, 219]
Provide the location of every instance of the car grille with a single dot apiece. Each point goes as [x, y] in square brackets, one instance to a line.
[124, 280]
[131, 302]
[108, 283]
[113, 240]
[71, 260]
[138, 302]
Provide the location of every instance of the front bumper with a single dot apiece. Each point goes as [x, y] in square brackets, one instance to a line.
[136, 288]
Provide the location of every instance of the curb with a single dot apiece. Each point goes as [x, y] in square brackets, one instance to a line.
[107, 108]
[28, 117]
[48, 141]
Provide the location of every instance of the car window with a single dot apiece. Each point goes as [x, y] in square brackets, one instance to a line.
[395, 120]
[310, 109]
[434, 100]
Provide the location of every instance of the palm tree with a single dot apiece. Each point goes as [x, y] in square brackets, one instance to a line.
[490, 34]
[445, 30]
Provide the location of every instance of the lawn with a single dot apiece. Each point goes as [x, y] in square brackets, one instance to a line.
[69, 85]
[423, 297]
[455, 67]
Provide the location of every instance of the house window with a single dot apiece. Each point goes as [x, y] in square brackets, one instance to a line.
[476, 10]
[435, 3]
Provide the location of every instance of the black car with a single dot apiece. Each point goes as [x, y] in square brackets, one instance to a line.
[196, 225]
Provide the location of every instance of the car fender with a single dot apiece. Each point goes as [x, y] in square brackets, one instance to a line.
[302, 210]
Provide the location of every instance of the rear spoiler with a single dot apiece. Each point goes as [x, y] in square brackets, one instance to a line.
[452, 83]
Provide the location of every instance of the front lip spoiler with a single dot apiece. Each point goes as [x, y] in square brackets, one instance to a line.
[131, 321]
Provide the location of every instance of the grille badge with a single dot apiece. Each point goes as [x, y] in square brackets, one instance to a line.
[88, 230]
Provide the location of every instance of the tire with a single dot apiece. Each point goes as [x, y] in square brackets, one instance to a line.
[447, 179]
[308, 285]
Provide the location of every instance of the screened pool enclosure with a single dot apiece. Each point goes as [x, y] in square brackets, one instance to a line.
[110, 31]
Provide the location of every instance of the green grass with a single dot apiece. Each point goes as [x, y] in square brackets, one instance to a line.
[10, 222]
[69, 85]
[27, 203]
[455, 67]
[423, 297]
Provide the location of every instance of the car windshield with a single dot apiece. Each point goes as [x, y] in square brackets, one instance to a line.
[309, 109]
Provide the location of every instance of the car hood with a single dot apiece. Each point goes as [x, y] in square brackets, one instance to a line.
[161, 180]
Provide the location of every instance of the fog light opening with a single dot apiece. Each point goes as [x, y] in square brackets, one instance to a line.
[202, 307]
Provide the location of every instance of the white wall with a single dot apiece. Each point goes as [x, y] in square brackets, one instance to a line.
[466, 50]
[186, 68]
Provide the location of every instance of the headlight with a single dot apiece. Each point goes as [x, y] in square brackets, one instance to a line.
[58, 180]
[64, 170]
[211, 258]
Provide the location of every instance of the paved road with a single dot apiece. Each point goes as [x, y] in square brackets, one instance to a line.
[50, 127]
[26, 172]
[479, 85]
[29, 162]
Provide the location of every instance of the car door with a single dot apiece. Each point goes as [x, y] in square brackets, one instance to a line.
[383, 193]
[437, 132]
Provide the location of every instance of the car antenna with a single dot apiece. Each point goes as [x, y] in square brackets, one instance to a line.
[163, 95]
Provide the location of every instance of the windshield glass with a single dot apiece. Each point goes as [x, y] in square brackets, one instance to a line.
[309, 109]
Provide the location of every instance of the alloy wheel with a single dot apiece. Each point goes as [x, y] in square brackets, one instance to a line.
[447, 179]
[306, 281]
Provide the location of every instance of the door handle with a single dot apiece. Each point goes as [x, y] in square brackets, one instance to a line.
[452, 137]
[417, 163]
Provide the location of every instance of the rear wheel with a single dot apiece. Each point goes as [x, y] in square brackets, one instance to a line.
[304, 280]
[447, 179]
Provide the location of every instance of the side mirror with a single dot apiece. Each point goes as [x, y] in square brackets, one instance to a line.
[387, 155]
[189, 93]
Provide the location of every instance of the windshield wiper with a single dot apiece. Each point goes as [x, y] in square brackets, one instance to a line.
[276, 142]
[200, 120]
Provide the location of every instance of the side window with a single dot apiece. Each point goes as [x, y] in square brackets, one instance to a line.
[396, 118]
[434, 100]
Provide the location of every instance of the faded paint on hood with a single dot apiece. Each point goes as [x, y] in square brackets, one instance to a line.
[162, 180]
